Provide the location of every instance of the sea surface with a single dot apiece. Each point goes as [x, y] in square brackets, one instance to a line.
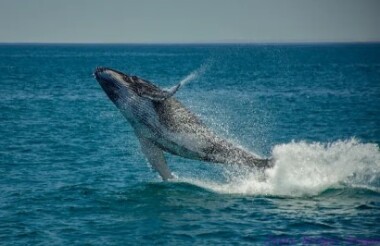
[72, 172]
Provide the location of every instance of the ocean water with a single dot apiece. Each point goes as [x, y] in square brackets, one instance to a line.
[72, 173]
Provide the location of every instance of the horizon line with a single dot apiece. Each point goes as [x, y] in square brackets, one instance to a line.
[194, 43]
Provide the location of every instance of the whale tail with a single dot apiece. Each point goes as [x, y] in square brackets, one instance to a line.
[262, 163]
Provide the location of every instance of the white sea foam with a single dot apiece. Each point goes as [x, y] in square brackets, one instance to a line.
[303, 168]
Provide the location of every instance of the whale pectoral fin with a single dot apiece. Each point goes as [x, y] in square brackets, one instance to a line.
[155, 157]
[157, 94]
[171, 91]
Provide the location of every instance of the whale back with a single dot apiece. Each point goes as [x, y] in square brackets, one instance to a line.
[176, 118]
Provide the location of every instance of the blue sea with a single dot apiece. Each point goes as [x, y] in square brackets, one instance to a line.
[72, 172]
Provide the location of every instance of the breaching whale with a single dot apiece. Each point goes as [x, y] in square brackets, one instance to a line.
[163, 124]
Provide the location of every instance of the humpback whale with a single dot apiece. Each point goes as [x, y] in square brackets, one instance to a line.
[162, 124]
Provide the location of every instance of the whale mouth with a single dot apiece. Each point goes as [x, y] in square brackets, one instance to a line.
[109, 75]
[99, 70]
[111, 81]
[104, 73]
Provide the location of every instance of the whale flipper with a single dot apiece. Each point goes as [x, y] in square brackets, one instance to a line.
[172, 90]
[155, 93]
[155, 157]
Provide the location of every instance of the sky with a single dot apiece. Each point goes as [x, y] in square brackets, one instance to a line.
[189, 21]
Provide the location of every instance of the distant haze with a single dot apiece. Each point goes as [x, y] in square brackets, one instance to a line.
[181, 21]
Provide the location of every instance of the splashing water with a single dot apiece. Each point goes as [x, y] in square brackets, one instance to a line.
[307, 169]
[196, 73]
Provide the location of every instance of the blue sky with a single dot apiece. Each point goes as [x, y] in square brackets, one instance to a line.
[186, 21]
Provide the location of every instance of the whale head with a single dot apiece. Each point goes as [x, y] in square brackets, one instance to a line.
[119, 86]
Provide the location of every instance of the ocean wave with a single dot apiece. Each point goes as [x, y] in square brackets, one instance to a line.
[305, 169]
